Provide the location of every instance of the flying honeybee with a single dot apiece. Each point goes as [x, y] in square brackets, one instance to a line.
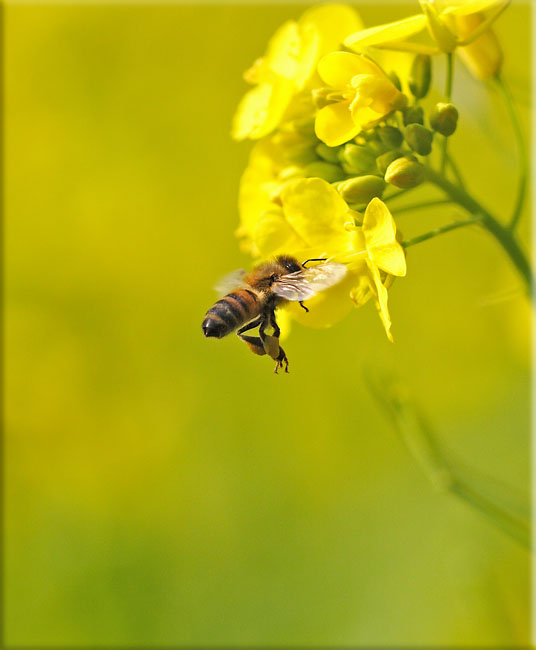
[254, 296]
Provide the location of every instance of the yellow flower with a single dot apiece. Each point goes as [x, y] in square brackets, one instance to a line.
[273, 161]
[362, 94]
[313, 220]
[287, 67]
[483, 57]
[442, 21]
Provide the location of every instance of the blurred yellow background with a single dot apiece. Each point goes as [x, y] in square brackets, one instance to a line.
[166, 489]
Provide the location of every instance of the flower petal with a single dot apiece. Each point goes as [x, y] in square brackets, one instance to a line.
[337, 69]
[334, 124]
[293, 51]
[261, 109]
[466, 7]
[317, 213]
[381, 299]
[483, 56]
[386, 33]
[333, 24]
[327, 307]
[273, 234]
[379, 230]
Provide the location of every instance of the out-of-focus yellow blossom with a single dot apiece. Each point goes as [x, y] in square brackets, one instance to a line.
[483, 57]
[288, 66]
[273, 161]
[361, 95]
[312, 220]
[442, 18]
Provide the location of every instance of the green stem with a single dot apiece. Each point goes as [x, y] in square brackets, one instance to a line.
[418, 206]
[521, 148]
[440, 231]
[397, 193]
[502, 234]
[455, 171]
[448, 95]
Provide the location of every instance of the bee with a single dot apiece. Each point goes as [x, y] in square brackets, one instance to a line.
[254, 297]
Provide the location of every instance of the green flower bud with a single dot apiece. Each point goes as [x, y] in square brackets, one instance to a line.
[413, 115]
[361, 189]
[395, 79]
[297, 149]
[420, 76]
[405, 173]
[377, 147]
[357, 159]
[390, 136]
[383, 161]
[305, 126]
[444, 119]
[400, 102]
[324, 170]
[419, 138]
[330, 154]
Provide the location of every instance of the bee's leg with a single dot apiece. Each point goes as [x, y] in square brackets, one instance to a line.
[255, 344]
[281, 359]
[250, 326]
[303, 306]
[270, 342]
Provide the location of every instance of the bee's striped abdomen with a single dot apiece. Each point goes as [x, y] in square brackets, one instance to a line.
[230, 312]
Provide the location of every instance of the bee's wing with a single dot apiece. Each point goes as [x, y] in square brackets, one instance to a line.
[231, 281]
[304, 284]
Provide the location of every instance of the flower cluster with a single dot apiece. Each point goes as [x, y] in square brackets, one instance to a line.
[335, 129]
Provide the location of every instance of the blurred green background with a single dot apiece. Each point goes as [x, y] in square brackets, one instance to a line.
[166, 489]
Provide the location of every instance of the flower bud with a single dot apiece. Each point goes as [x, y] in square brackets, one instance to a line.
[296, 148]
[405, 173]
[326, 171]
[444, 119]
[305, 126]
[420, 76]
[361, 189]
[419, 138]
[357, 159]
[390, 136]
[400, 102]
[329, 154]
[383, 161]
[377, 147]
[413, 115]
[395, 79]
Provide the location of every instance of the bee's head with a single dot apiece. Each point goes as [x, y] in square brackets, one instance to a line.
[290, 264]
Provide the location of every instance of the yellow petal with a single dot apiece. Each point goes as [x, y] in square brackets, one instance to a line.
[317, 213]
[361, 292]
[334, 124]
[364, 116]
[466, 7]
[261, 109]
[333, 24]
[337, 69]
[327, 307]
[381, 299]
[273, 234]
[379, 230]
[293, 51]
[483, 57]
[386, 33]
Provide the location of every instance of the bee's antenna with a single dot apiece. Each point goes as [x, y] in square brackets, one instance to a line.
[314, 259]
